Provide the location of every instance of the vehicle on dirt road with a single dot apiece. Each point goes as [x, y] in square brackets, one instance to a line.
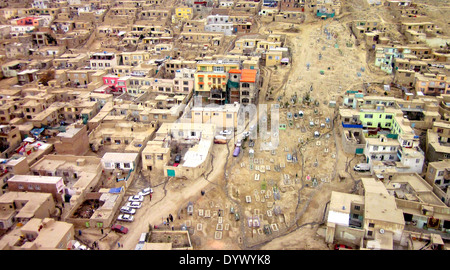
[133, 205]
[136, 198]
[119, 228]
[125, 217]
[127, 210]
[145, 191]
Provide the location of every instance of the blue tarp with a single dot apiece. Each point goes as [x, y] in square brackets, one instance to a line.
[36, 131]
[116, 190]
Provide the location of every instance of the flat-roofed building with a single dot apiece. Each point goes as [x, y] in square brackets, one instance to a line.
[371, 220]
[79, 173]
[36, 183]
[39, 234]
[74, 141]
[23, 206]
[438, 175]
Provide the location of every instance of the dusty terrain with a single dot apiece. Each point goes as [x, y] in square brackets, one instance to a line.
[290, 197]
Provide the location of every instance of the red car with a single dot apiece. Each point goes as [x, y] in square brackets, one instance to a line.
[339, 247]
[119, 228]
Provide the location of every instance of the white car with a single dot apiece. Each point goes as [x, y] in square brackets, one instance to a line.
[145, 191]
[225, 132]
[238, 143]
[134, 205]
[136, 198]
[127, 210]
[125, 217]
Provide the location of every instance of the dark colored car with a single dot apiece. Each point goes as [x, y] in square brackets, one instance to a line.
[178, 159]
[119, 228]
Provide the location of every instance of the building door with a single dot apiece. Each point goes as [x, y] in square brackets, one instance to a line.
[171, 173]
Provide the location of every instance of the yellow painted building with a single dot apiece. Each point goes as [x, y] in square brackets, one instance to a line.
[211, 77]
[183, 13]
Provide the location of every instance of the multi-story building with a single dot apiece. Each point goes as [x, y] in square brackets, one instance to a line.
[381, 149]
[420, 27]
[327, 8]
[438, 139]
[74, 141]
[29, 21]
[433, 85]
[183, 13]
[40, 234]
[438, 175]
[371, 220]
[116, 83]
[23, 206]
[172, 65]
[17, 49]
[134, 58]
[222, 116]
[243, 86]
[103, 60]
[43, 184]
[211, 80]
[10, 138]
[219, 23]
[292, 5]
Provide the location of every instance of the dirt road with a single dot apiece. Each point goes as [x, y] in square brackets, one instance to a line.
[169, 198]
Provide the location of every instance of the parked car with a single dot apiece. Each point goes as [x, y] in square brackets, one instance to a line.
[119, 228]
[236, 151]
[362, 167]
[251, 143]
[238, 143]
[136, 198]
[225, 132]
[145, 191]
[339, 246]
[134, 204]
[127, 210]
[125, 217]
[177, 158]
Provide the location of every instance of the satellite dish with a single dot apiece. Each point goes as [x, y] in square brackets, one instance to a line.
[381, 231]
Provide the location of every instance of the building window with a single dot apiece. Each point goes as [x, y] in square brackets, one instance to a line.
[126, 165]
[371, 225]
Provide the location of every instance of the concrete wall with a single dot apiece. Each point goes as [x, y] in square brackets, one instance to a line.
[351, 236]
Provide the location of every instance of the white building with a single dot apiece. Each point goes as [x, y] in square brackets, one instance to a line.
[381, 149]
[121, 161]
[219, 24]
[41, 4]
[103, 60]
[19, 30]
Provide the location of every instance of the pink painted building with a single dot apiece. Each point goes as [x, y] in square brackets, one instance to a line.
[29, 21]
[116, 83]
